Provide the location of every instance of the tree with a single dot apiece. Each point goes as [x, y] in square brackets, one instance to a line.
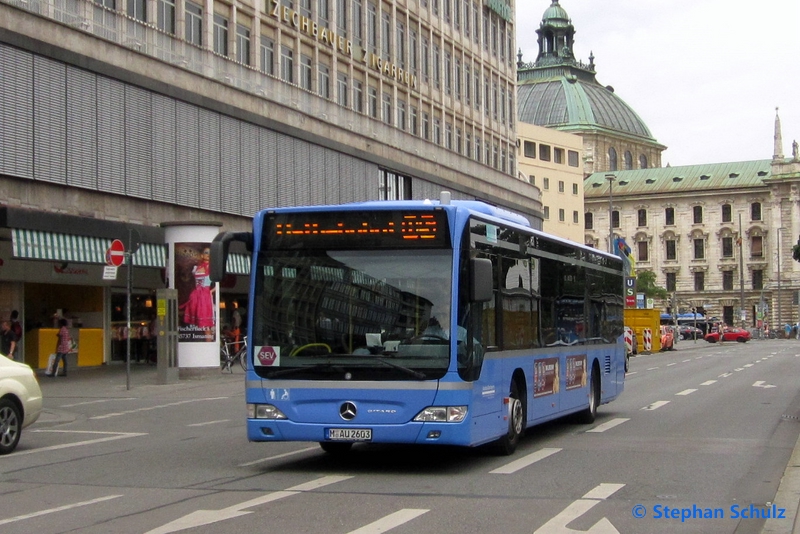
[646, 283]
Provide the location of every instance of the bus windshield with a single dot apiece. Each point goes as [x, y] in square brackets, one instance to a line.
[352, 314]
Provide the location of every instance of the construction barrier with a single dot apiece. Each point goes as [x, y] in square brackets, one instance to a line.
[648, 339]
[629, 340]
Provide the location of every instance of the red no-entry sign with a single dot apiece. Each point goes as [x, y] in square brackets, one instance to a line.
[115, 254]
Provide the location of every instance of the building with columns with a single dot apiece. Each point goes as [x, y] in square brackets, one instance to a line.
[718, 236]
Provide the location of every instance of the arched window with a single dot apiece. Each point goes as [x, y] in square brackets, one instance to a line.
[642, 161]
[612, 159]
[628, 160]
[588, 221]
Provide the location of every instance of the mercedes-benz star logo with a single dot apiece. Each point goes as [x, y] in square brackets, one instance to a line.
[347, 411]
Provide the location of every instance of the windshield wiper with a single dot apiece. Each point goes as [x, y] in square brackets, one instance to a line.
[416, 374]
[292, 370]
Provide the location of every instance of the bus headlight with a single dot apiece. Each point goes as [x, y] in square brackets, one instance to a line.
[264, 411]
[442, 414]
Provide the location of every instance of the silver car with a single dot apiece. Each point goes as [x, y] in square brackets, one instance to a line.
[20, 401]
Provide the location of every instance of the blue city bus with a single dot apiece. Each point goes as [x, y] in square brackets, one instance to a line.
[429, 322]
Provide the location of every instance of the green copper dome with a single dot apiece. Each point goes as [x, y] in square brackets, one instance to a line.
[555, 14]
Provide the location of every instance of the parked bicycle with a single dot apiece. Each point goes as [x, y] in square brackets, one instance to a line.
[233, 351]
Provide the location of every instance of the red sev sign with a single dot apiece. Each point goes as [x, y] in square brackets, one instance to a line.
[268, 356]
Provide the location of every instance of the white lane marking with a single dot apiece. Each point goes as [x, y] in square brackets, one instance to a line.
[390, 521]
[609, 424]
[671, 364]
[761, 384]
[100, 401]
[655, 405]
[207, 517]
[708, 382]
[525, 461]
[57, 509]
[160, 406]
[725, 375]
[112, 437]
[739, 369]
[686, 392]
[278, 456]
[558, 524]
[684, 361]
[748, 365]
[210, 422]
[631, 373]
[652, 368]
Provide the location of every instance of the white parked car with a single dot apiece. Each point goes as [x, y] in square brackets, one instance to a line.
[20, 401]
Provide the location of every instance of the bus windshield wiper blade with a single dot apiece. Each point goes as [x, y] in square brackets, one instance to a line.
[412, 372]
[292, 370]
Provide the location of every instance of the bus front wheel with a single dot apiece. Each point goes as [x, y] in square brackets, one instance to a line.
[516, 423]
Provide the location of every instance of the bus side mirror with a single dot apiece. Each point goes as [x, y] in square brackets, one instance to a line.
[480, 284]
[219, 251]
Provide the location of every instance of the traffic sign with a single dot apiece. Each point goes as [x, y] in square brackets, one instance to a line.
[115, 254]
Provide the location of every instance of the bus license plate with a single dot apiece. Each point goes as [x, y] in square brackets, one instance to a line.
[349, 434]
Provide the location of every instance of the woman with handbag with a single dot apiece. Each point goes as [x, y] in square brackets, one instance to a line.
[63, 348]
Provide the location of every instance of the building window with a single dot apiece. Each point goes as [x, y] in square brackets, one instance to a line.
[615, 219]
[401, 114]
[727, 280]
[726, 213]
[671, 249]
[341, 89]
[588, 221]
[414, 126]
[642, 217]
[758, 279]
[727, 247]
[574, 189]
[669, 216]
[324, 80]
[358, 22]
[387, 108]
[697, 213]
[561, 186]
[576, 217]
[394, 186]
[641, 248]
[529, 149]
[372, 95]
[341, 17]
[386, 36]
[547, 212]
[612, 159]
[558, 155]
[220, 35]
[242, 44]
[699, 281]
[287, 64]
[546, 183]
[561, 215]
[671, 282]
[437, 131]
[166, 16]
[628, 160]
[756, 249]
[755, 211]
[699, 249]
[426, 132]
[323, 13]
[448, 136]
[544, 152]
[194, 24]
[572, 158]
[358, 96]
[267, 55]
[305, 72]
[137, 9]
[642, 161]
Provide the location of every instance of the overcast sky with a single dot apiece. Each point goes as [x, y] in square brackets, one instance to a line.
[704, 75]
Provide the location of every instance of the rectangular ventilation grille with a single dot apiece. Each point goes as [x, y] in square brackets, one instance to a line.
[607, 365]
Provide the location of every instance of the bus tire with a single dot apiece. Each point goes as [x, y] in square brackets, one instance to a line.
[627, 361]
[506, 445]
[335, 447]
[588, 415]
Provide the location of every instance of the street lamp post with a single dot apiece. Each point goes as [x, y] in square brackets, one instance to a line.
[611, 178]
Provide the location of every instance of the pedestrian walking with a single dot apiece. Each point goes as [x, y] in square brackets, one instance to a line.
[8, 340]
[63, 348]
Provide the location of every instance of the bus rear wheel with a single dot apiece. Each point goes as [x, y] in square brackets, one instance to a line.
[335, 447]
[588, 415]
[516, 423]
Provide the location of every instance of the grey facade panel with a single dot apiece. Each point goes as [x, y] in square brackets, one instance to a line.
[164, 151]
[208, 183]
[138, 142]
[302, 172]
[332, 176]
[316, 177]
[347, 171]
[268, 169]
[285, 172]
[230, 165]
[81, 128]
[49, 120]
[16, 112]
[188, 154]
[110, 136]
[250, 202]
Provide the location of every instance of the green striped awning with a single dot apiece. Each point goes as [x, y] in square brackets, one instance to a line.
[238, 264]
[39, 245]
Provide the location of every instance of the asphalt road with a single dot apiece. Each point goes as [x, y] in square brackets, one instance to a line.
[704, 430]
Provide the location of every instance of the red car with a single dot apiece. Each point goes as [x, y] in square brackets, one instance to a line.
[731, 334]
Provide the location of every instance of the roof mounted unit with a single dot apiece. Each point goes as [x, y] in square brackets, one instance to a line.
[733, 175]
[677, 179]
[623, 182]
[650, 181]
[705, 177]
